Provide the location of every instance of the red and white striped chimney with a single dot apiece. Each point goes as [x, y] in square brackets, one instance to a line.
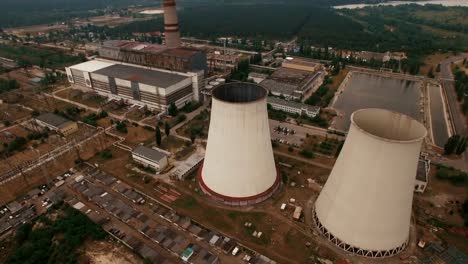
[171, 24]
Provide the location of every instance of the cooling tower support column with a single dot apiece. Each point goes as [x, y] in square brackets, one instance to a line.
[239, 167]
[171, 24]
[365, 205]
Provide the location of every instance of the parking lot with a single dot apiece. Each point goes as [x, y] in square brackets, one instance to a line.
[294, 135]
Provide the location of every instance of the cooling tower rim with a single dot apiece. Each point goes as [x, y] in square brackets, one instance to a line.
[247, 199]
[416, 125]
[224, 87]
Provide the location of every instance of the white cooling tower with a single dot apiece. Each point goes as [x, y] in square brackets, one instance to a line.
[239, 167]
[365, 205]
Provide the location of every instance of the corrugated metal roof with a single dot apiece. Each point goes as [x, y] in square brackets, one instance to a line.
[149, 153]
[52, 119]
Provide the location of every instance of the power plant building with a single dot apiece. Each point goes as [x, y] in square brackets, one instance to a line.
[137, 85]
[152, 55]
[293, 107]
[239, 168]
[365, 205]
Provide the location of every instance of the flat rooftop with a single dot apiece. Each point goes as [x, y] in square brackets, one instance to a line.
[52, 119]
[181, 52]
[421, 174]
[91, 66]
[141, 75]
[297, 61]
[290, 76]
[278, 87]
[149, 153]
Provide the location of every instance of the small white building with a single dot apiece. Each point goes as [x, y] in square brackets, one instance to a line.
[150, 158]
[293, 107]
[422, 175]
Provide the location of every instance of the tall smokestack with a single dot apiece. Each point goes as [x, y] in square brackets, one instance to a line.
[171, 24]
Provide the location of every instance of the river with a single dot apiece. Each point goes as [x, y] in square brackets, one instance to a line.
[435, 2]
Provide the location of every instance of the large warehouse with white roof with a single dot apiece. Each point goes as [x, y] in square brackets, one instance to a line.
[154, 88]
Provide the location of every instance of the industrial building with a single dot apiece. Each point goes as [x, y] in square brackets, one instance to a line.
[179, 59]
[365, 206]
[150, 158]
[293, 107]
[227, 61]
[239, 168]
[292, 84]
[300, 64]
[422, 175]
[57, 123]
[134, 84]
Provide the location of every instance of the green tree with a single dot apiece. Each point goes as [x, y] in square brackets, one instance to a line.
[158, 136]
[193, 136]
[172, 110]
[451, 145]
[167, 128]
[461, 146]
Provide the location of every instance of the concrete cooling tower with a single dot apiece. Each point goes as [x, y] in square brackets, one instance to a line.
[171, 24]
[239, 167]
[365, 205]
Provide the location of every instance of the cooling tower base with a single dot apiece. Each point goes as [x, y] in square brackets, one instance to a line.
[356, 250]
[238, 201]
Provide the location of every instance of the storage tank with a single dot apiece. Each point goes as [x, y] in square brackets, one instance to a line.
[365, 205]
[239, 167]
[213, 83]
[209, 87]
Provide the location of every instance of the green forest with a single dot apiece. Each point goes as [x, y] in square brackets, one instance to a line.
[54, 241]
[29, 55]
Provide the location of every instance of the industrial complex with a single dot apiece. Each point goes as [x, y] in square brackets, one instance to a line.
[138, 85]
[190, 151]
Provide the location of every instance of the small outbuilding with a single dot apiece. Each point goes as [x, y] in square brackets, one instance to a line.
[57, 123]
[150, 158]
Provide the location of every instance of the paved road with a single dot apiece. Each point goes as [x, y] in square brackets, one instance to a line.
[457, 117]
[440, 132]
[448, 85]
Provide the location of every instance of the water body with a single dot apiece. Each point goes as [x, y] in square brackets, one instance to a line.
[374, 91]
[439, 124]
[434, 2]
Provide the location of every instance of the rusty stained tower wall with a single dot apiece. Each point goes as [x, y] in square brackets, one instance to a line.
[171, 24]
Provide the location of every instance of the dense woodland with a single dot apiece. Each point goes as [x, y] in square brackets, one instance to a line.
[32, 12]
[54, 241]
[28, 55]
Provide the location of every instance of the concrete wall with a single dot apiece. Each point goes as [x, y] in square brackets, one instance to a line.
[239, 158]
[367, 199]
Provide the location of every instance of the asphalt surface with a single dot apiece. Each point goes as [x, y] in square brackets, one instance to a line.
[458, 118]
